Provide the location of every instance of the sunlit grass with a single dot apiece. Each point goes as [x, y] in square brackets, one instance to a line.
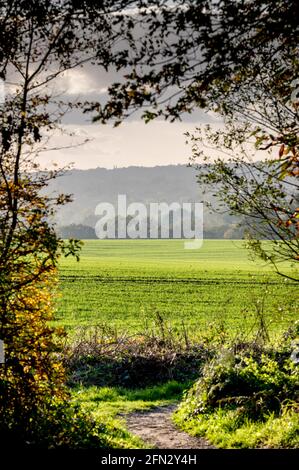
[109, 405]
[223, 429]
[124, 282]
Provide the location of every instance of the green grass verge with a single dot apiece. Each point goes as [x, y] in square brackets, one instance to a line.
[109, 405]
[223, 429]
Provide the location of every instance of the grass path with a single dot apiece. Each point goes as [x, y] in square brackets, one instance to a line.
[156, 429]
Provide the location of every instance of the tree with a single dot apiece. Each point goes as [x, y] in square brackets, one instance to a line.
[191, 53]
[260, 113]
[39, 41]
[264, 191]
[77, 231]
[240, 60]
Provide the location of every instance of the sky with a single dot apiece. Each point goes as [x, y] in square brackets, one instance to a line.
[132, 143]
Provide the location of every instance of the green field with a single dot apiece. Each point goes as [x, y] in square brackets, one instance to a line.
[125, 282]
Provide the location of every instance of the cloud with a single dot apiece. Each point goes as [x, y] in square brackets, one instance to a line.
[133, 143]
[91, 83]
[80, 82]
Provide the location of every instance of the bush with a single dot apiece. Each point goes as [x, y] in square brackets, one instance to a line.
[56, 424]
[253, 377]
[244, 393]
[254, 386]
[99, 356]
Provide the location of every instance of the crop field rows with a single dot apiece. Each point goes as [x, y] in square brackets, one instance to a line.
[125, 283]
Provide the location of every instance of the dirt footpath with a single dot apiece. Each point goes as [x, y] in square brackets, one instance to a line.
[156, 428]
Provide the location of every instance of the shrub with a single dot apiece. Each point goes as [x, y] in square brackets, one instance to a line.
[99, 356]
[252, 383]
[56, 424]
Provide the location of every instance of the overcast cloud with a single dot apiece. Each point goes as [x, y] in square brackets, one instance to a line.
[132, 143]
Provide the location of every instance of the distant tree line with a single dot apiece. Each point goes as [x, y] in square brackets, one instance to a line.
[231, 231]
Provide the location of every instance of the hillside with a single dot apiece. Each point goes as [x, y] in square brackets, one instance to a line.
[172, 183]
